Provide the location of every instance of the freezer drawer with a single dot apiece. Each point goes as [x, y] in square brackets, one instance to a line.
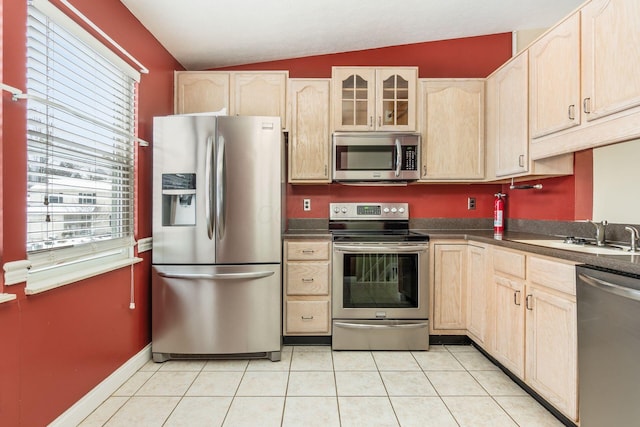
[215, 310]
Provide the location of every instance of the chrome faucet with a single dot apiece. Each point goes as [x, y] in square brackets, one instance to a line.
[634, 238]
[600, 229]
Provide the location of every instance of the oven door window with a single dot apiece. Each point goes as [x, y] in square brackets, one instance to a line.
[380, 280]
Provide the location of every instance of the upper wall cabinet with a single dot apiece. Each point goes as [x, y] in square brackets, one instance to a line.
[451, 121]
[310, 132]
[554, 79]
[260, 93]
[508, 101]
[607, 109]
[507, 113]
[374, 98]
[198, 92]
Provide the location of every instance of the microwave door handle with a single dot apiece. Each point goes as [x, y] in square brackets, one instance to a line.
[398, 157]
[220, 188]
[208, 206]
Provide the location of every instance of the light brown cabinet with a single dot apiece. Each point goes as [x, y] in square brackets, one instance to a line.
[449, 282]
[366, 98]
[479, 300]
[310, 131]
[508, 288]
[307, 287]
[604, 37]
[536, 324]
[260, 93]
[201, 91]
[555, 79]
[451, 122]
[551, 333]
[507, 113]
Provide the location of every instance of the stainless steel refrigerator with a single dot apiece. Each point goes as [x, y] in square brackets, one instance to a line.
[217, 220]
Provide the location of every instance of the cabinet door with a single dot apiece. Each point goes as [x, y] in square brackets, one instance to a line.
[552, 348]
[554, 77]
[354, 98]
[452, 127]
[509, 323]
[512, 117]
[201, 91]
[396, 99]
[450, 277]
[610, 56]
[477, 295]
[310, 133]
[260, 94]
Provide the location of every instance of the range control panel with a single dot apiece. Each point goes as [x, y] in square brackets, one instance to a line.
[373, 211]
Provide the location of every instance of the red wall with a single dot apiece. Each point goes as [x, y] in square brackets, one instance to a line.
[58, 345]
[563, 198]
[467, 57]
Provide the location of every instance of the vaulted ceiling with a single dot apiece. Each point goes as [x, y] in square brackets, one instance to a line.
[203, 34]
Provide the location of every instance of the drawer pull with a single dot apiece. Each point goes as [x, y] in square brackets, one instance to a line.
[308, 251]
[308, 280]
[516, 297]
[528, 301]
[306, 317]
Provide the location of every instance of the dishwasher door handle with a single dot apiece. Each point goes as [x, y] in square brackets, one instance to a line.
[612, 288]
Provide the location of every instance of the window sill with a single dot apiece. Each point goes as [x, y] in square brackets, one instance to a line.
[7, 297]
[46, 281]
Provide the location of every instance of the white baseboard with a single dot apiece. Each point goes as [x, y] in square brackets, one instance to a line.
[92, 400]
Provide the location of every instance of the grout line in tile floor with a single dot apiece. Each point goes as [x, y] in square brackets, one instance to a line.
[446, 386]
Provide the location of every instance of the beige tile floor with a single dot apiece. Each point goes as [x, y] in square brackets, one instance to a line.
[314, 386]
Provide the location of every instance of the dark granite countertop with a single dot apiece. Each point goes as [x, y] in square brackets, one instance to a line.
[626, 263]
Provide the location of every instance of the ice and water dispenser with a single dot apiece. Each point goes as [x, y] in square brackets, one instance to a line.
[178, 199]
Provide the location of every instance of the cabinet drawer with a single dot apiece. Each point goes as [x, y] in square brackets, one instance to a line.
[307, 278]
[306, 250]
[307, 317]
[552, 274]
[508, 262]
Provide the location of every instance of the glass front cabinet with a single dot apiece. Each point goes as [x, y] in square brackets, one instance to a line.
[382, 99]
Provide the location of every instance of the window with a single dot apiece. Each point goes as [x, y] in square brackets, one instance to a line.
[80, 144]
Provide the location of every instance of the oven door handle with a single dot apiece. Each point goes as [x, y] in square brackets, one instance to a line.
[388, 248]
[369, 326]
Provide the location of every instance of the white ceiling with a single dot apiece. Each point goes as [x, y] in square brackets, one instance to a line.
[203, 34]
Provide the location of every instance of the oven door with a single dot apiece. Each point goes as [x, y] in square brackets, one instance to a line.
[380, 281]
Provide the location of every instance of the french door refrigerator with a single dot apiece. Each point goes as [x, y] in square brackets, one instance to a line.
[217, 221]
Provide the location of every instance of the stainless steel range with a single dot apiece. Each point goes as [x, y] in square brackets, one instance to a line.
[380, 276]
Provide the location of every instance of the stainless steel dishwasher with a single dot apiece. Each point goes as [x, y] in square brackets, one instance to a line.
[608, 347]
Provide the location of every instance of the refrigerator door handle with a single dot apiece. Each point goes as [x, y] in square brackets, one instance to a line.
[220, 188]
[209, 202]
[219, 276]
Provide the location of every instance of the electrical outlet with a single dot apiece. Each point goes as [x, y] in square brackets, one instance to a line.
[471, 203]
[306, 204]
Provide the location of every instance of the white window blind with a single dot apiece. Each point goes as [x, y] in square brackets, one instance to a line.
[80, 146]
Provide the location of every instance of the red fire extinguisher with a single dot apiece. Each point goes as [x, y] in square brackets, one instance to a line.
[498, 215]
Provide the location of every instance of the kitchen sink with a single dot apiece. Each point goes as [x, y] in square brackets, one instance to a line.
[579, 247]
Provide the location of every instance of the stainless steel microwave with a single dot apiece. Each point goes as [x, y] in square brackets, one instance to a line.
[376, 156]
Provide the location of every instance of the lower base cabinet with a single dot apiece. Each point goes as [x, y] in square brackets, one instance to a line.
[536, 325]
[518, 306]
[307, 287]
